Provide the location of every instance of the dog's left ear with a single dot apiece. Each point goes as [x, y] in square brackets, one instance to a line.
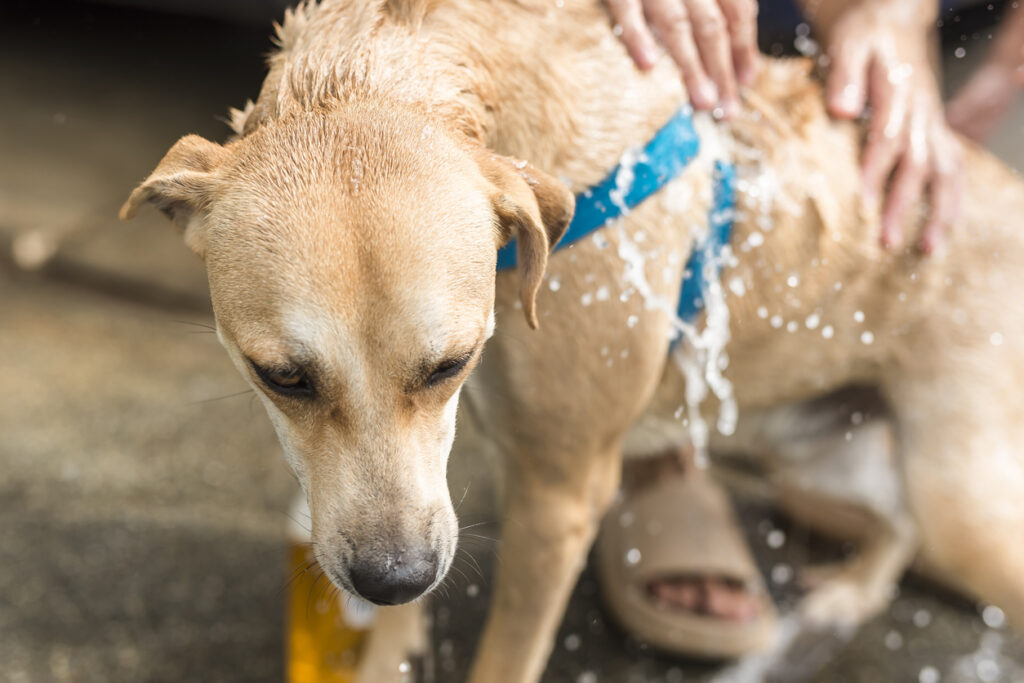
[181, 186]
[534, 209]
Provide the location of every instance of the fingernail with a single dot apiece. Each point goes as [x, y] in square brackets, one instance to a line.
[649, 56]
[707, 94]
[892, 237]
[847, 100]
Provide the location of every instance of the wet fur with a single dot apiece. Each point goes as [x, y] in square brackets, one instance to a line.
[290, 240]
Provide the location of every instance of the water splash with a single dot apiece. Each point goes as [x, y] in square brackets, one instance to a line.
[700, 354]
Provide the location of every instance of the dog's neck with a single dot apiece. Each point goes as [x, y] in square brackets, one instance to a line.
[518, 77]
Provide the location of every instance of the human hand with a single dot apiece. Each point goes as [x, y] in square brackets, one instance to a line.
[879, 55]
[981, 104]
[714, 43]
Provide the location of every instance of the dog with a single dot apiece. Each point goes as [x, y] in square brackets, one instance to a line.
[350, 233]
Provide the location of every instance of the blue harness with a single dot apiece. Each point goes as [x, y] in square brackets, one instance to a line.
[660, 161]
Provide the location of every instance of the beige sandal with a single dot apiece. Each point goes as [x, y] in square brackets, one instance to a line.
[680, 526]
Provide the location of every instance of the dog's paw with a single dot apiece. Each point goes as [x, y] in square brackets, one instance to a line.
[838, 603]
[813, 577]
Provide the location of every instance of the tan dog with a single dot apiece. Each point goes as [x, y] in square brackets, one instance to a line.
[350, 234]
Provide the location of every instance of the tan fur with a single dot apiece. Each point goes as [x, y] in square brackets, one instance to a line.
[352, 228]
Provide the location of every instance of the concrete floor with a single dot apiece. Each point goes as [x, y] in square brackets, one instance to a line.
[143, 515]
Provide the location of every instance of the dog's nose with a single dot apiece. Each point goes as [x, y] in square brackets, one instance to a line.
[394, 578]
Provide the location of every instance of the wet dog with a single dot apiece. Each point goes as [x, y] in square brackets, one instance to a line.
[350, 233]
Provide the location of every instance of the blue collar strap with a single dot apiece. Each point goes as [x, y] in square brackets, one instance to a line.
[660, 161]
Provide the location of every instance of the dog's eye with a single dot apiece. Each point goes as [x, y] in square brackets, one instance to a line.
[288, 381]
[448, 369]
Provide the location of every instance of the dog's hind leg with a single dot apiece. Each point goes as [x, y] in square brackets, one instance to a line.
[840, 475]
[965, 473]
[552, 510]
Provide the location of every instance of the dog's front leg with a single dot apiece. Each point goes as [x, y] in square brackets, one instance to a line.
[552, 509]
[399, 634]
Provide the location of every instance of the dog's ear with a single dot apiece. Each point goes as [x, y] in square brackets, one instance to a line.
[181, 187]
[534, 209]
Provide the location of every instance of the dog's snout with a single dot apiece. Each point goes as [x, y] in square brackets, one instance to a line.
[394, 578]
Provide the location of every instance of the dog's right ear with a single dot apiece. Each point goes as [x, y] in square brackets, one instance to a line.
[181, 186]
[534, 209]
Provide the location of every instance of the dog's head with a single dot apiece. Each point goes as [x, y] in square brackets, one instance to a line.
[351, 258]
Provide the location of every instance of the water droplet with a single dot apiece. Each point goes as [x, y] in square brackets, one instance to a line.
[572, 642]
[827, 332]
[776, 538]
[587, 299]
[987, 670]
[893, 640]
[928, 674]
[993, 617]
[736, 286]
[632, 320]
[404, 668]
[867, 338]
[858, 316]
[776, 321]
[812, 321]
[762, 312]
[793, 280]
[554, 283]
[960, 53]
[633, 556]
[922, 618]
[755, 239]
[781, 574]
[473, 590]
[587, 677]
[603, 294]
[792, 326]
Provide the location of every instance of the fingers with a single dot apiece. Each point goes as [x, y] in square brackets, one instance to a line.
[715, 45]
[637, 36]
[907, 184]
[672, 22]
[887, 137]
[741, 16]
[713, 42]
[946, 192]
[846, 90]
[931, 156]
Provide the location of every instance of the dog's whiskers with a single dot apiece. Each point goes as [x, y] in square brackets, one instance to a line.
[464, 492]
[221, 398]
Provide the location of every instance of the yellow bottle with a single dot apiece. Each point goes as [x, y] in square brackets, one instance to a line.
[325, 632]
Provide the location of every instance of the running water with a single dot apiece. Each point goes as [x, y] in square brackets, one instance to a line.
[700, 354]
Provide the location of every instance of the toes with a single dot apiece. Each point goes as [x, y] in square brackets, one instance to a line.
[711, 596]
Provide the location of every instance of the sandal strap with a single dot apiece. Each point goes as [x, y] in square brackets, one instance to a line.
[681, 525]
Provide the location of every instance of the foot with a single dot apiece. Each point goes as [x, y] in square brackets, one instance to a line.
[674, 565]
[706, 595]
[713, 596]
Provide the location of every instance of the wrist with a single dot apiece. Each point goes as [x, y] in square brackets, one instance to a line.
[909, 17]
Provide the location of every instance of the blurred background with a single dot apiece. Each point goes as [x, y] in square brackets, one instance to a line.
[143, 501]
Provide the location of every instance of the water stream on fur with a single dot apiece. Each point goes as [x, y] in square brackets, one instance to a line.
[699, 353]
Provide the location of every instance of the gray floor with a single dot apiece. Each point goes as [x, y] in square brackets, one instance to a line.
[143, 501]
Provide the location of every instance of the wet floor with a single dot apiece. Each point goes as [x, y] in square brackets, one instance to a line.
[143, 502]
